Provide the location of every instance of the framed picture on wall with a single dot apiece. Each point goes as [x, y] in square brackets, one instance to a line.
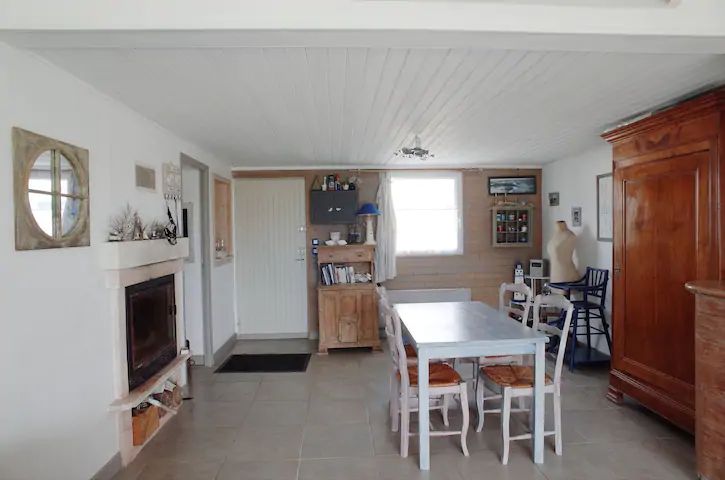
[576, 216]
[604, 207]
[554, 199]
[512, 185]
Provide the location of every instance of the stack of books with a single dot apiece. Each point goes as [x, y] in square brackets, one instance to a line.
[331, 274]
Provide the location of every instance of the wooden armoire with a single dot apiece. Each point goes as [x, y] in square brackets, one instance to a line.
[669, 181]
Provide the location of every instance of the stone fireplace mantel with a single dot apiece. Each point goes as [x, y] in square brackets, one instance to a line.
[126, 264]
[125, 255]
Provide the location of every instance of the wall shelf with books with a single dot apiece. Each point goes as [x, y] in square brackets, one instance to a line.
[349, 265]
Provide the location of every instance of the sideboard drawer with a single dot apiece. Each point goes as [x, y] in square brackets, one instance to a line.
[345, 254]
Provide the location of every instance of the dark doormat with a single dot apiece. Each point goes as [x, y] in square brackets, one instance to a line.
[278, 362]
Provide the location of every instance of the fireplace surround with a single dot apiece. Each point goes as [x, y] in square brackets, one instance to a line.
[132, 265]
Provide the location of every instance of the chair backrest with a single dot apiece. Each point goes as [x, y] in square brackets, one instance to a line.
[564, 306]
[399, 349]
[387, 312]
[597, 279]
[511, 311]
[381, 292]
[383, 302]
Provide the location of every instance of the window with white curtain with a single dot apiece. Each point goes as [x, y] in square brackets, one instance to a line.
[428, 213]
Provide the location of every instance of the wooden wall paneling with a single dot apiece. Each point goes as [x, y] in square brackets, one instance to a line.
[481, 268]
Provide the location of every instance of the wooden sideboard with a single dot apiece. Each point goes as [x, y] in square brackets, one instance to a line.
[709, 378]
[348, 312]
[668, 229]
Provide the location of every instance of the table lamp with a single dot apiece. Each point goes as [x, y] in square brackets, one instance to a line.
[369, 210]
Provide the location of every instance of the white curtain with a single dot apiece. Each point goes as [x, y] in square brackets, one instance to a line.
[385, 250]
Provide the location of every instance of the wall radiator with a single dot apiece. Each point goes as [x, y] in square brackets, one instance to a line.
[430, 295]
[427, 295]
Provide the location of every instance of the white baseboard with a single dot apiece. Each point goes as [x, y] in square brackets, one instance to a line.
[223, 352]
[270, 336]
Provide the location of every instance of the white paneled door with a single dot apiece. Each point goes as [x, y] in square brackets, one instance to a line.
[271, 257]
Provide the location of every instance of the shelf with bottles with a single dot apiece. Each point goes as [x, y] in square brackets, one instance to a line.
[512, 226]
[334, 182]
[223, 234]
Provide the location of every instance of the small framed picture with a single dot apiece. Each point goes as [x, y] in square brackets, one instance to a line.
[512, 185]
[604, 207]
[554, 199]
[576, 216]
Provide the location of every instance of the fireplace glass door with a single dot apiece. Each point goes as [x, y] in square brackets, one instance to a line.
[150, 328]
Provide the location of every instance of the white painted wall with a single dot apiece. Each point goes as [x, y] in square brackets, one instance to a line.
[629, 17]
[193, 299]
[575, 179]
[55, 331]
[223, 324]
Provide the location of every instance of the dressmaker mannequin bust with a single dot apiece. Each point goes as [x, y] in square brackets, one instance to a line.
[561, 251]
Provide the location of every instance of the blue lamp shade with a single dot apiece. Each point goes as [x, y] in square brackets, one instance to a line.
[368, 209]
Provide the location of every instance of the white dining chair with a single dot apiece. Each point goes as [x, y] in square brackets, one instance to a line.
[520, 310]
[383, 306]
[381, 294]
[517, 381]
[512, 312]
[394, 380]
[444, 382]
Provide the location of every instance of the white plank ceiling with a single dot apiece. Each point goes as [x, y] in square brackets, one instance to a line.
[308, 107]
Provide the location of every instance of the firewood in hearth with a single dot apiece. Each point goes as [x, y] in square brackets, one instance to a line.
[177, 397]
[166, 398]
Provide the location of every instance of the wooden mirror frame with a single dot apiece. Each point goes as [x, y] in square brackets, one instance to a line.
[27, 147]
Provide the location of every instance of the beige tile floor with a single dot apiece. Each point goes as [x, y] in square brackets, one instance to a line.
[331, 423]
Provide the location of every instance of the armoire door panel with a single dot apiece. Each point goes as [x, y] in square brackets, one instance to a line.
[665, 217]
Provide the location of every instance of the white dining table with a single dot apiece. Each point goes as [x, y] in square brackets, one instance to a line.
[469, 329]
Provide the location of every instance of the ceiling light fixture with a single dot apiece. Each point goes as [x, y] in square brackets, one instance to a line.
[415, 152]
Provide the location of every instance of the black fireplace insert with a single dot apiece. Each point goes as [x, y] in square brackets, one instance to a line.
[150, 328]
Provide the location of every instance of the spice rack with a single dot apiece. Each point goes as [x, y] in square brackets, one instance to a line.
[512, 226]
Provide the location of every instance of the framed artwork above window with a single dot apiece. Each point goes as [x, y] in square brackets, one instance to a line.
[50, 192]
